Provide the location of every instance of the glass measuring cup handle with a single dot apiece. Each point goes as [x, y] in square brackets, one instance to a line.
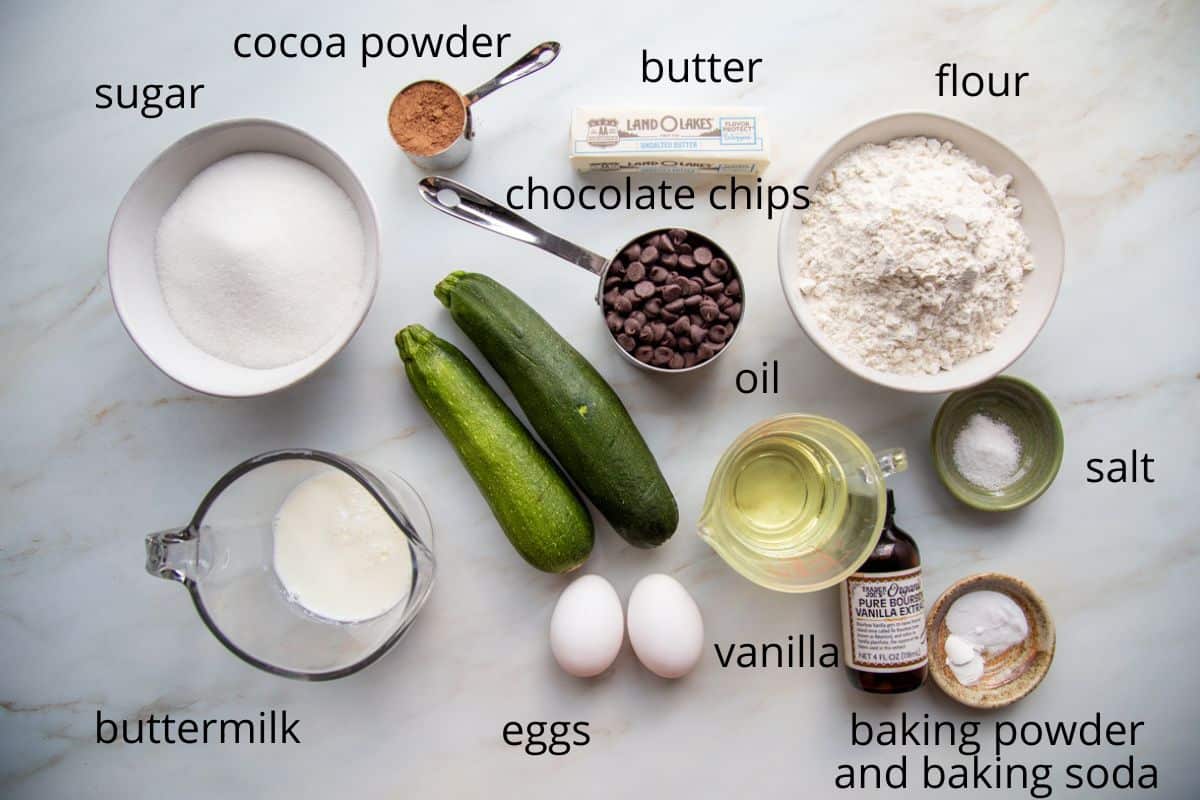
[172, 554]
[892, 460]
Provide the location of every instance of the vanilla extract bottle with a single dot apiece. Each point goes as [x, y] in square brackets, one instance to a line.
[883, 615]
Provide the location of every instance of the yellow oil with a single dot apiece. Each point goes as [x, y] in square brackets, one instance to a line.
[787, 495]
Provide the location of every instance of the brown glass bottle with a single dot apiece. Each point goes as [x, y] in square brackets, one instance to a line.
[883, 616]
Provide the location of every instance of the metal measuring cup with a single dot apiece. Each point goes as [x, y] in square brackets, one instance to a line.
[457, 151]
[461, 202]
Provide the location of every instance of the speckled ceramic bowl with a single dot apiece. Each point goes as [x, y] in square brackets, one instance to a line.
[1029, 414]
[1007, 676]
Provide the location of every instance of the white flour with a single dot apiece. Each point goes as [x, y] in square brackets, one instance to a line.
[912, 255]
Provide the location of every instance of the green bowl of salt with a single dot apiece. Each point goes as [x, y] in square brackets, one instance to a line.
[997, 446]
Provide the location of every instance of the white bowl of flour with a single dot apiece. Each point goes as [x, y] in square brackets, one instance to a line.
[244, 257]
[930, 257]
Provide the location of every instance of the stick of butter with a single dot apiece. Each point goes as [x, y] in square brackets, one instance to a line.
[683, 139]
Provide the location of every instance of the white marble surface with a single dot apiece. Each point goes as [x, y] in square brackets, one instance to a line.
[99, 448]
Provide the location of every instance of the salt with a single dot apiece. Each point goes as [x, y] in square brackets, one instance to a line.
[987, 453]
[261, 259]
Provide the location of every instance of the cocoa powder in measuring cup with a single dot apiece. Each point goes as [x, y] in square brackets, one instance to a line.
[427, 117]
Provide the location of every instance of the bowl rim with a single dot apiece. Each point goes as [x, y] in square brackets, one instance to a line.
[937, 613]
[371, 261]
[1041, 401]
[889, 380]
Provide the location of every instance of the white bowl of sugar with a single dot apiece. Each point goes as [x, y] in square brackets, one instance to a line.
[244, 257]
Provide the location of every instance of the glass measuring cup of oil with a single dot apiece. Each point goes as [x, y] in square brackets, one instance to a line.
[797, 502]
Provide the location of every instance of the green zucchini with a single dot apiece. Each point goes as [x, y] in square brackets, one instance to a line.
[573, 409]
[532, 500]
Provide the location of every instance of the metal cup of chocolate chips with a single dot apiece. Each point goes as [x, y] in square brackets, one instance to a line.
[671, 299]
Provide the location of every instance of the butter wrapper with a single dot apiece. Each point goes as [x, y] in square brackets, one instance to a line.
[676, 139]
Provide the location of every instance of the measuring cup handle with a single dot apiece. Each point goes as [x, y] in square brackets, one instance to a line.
[451, 197]
[527, 64]
[892, 461]
[172, 554]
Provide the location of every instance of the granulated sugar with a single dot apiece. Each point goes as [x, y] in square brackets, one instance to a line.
[261, 259]
[988, 453]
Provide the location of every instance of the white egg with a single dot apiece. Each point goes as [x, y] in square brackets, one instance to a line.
[587, 627]
[665, 626]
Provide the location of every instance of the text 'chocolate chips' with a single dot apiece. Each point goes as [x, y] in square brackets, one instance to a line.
[672, 299]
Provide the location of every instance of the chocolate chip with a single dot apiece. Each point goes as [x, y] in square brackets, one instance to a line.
[666, 318]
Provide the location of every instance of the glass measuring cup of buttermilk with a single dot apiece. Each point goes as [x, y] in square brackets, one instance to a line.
[797, 502]
[303, 563]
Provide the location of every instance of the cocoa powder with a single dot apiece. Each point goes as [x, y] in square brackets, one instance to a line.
[427, 117]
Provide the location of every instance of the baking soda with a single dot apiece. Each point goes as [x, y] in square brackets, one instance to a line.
[261, 259]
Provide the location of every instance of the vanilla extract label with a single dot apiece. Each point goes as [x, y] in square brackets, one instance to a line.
[798, 652]
[883, 628]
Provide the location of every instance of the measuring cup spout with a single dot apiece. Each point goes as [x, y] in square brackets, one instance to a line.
[172, 554]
